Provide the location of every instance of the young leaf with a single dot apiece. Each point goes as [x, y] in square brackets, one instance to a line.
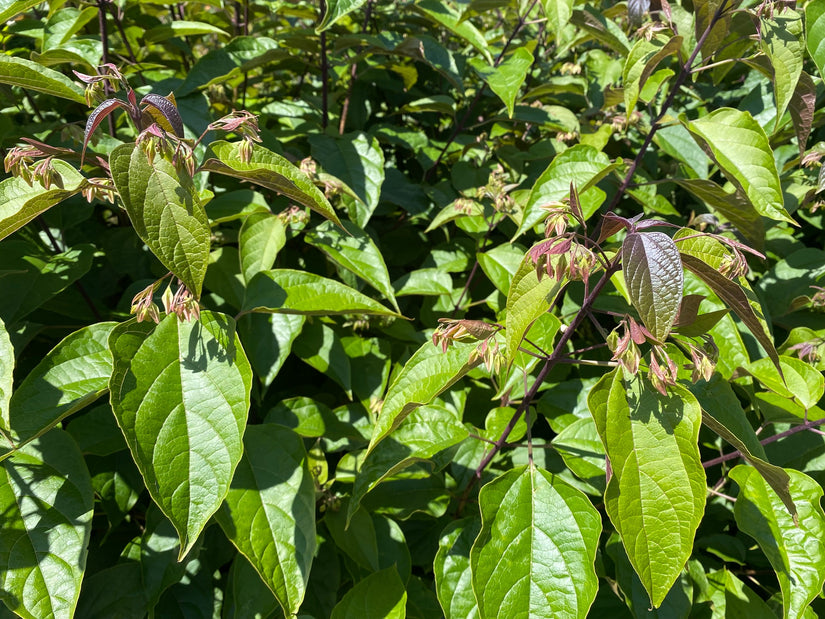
[269, 170]
[166, 212]
[653, 272]
[261, 237]
[381, 594]
[425, 432]
[428, 373]
[528, 299]
[355, 252]
[782, 40]
[167, 109]
[535, 553]
[33, 76]
[734, 298]
[506, 79]
[796, 552]
[269, 512]
[656, 496]
[641, 62]
[298, 292]
[72, 375]
[740, 147]
[21, 202]
[47, 502]
[96, 117]
[181, 392]
[453, 576]
[802, 107]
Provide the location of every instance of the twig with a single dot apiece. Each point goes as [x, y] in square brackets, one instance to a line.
[324, 71]
[352, 73]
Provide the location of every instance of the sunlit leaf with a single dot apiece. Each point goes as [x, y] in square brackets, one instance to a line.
[782, 40]
[33, 76]
[453, 576]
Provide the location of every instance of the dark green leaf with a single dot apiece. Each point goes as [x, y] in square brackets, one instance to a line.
[33, 76]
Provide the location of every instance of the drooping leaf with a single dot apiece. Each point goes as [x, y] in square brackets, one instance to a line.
[795, 551]
[168, 112]
[427, 374]
[653, 272]
[180, 28]
[261, 237]
[96, 117]
[246, 594]
[166, 212]
[47, 502]
[734, 298]
[33, 76]
[269, 513]
[802, 107]
[642, 61]
[269, 170]
[453, 576]
[656, 496]
[740, 147]
[815, 35]
[336, 9]
[535, 552]
[381, 594]
[355, 251]
[298, 292]
[267, 339]
[425, 432]
[582, 165]
[71, 376]
[782, 41]
[13, 8]
[528, 299]
[601, 28]
[20, 203]
[449, 16]
[357, 160]
[181, 393]
[798, 379]
[506, 79]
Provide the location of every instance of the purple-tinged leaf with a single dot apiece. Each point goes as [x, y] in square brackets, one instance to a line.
[802, 106]
[655, 281]
[167, 109]
[734, 297]
[96, 117]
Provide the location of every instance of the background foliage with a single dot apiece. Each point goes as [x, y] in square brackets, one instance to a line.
[615, 206]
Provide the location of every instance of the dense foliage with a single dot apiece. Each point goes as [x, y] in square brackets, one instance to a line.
[461, 308]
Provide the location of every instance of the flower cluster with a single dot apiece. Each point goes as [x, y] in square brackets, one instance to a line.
[453, 330]
[155, 141]
[244, 124]
[181, 303]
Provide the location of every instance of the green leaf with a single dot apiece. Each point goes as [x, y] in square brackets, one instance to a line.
[558, 13]
[47, 502]
[735, 299]
[424, 433]
[453, 576]
[602, 29]
[165, 211]
[705, 11]
[653, 273]
[815, 40]
[356, 252]
[33, 76]
[739, 146]
[529, 298]
[427, 373]
[535, 553]
[357, 160]
[269, 513]
[798, 380]
[20, 203]
[72, 375]
[795, 551]
[423, 282]
[181, 29]
[261, 237]
[269, 170]
[181, 393]
[642, 61]
[381, 594]
[320, 347]
[500, 264]
[656, 496]
[336, 9]
[782, 40]
[580, 164]
[6, 376]
[506, 79]
[298, 292]
[246, 594]
[13, 8]
[267, 339]
[449, 16]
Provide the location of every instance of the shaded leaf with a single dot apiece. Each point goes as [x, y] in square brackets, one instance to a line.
[642, 61]
[381, 594]
[795, 551]
[802, 106]
[181, 393]
[535, 553]
[269, 512]
[267, 339]
[336, 9]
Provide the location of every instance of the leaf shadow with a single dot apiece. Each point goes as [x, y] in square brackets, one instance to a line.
[667, 410]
